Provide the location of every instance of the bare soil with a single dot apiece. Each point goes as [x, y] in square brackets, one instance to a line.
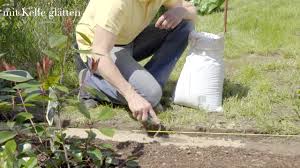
[155, 156]
[183, 151]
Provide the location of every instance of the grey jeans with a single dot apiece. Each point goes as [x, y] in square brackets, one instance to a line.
[166, 46]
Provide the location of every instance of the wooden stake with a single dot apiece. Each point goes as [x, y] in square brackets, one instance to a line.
[225, 16]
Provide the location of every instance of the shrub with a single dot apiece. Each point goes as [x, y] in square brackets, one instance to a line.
[208, 6]
[25, 142]
[23, 39]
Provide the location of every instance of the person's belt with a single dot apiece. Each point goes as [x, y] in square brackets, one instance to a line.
[120, 45]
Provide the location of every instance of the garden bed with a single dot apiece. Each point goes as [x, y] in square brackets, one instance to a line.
[203, 151]
[155, 155]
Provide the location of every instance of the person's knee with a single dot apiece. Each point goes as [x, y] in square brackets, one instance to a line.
[154, 94]
[147, 86]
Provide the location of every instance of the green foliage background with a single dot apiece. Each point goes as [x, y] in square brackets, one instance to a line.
[23, 39]
[208, 6]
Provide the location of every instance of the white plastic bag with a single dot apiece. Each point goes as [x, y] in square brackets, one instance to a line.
[200, 84]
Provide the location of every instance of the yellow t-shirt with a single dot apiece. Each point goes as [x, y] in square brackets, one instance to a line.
[124, 18]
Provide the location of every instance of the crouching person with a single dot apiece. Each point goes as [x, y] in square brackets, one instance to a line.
[122, 35]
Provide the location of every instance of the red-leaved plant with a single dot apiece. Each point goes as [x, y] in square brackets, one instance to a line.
[68, 25]
[95, 63]
[6, 67]
[43, 67]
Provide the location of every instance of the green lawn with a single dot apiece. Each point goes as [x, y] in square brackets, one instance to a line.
[262, 72]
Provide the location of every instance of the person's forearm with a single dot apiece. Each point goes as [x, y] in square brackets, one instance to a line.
[109, 71]
[190, 12]
[102, 45]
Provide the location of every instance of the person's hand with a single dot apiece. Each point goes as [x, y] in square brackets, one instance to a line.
[141, 109]
[171, 18]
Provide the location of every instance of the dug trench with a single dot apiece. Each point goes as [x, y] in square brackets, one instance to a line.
[183, 151]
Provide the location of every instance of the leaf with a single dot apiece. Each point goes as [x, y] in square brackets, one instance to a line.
[31, 163]
[51, 54]
[40, 129]
[95, 64]
[77, 154]
[9, 90]
[2, 54]
[2, 2]
[27, 85]
[21, 117]
[298, 93]
[10, 124]
[132, 164]
[62, 88]
[58, 41]
[106, 146]
[58, 138]
[84, 51]
[16, 76]
[214, 4]
[6, 97]
[85, 38]
[107, 131]
[51, 81]
[95, 154]
[33, 97]
[71, 102]
[83, 110]
[112, 161]
[208, 6]
[11, 146]
[32, 90]
[96, 93]
[52, 107]
[106, 114]
[5, 105]
[6, 135]
[26, 105]
[91, 135]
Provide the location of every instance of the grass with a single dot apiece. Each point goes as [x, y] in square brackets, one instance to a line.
[261, 27]
[262, 71]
